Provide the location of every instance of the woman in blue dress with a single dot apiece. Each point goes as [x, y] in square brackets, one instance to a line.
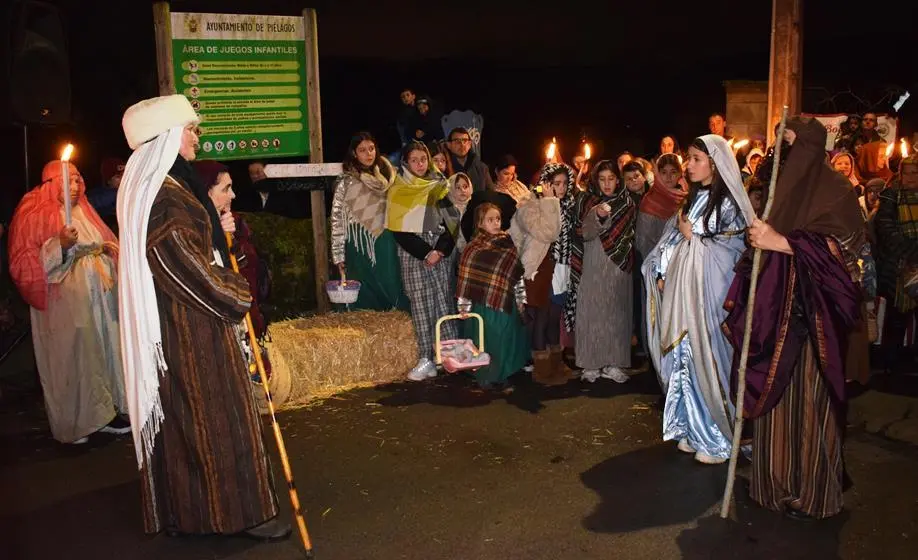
[687, 276]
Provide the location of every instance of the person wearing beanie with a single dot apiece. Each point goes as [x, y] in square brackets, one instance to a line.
[426, 125]
[197, 434]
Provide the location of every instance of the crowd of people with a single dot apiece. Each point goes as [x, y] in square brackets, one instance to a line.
[606, 260]
[580, 272]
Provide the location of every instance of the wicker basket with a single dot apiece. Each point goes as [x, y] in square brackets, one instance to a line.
[342, 291]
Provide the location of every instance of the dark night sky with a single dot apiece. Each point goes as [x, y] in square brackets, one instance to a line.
[625, 73]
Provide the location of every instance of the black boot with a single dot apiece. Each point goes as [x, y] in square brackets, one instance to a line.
[270, 531]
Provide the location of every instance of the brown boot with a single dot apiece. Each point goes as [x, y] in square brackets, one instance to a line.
[560, 373]
[541, 366]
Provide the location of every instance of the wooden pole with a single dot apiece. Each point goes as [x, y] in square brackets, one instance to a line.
[317, 198]
[785, 82]
[278, 437]
[162, 31]
[747, 335]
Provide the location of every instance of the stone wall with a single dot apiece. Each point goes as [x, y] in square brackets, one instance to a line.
[747, 108]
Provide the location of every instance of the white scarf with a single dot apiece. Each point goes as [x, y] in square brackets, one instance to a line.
[141, 338]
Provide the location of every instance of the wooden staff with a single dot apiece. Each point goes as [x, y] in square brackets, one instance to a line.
[281, 448]
[750, 308]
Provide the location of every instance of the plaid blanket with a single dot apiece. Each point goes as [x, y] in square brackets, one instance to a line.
[489, 269]
[617, 240]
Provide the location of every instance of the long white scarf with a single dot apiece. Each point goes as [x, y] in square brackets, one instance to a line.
[141, 338]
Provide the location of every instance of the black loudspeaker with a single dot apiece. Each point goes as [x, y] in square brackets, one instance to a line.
[39, 71]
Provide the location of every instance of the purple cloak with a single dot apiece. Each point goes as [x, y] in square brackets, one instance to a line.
[807, 296]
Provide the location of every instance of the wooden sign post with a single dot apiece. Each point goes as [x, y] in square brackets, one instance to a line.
[162, 32]
[317, 198]
[162, 26]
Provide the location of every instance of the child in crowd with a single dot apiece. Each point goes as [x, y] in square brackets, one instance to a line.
[489, 284]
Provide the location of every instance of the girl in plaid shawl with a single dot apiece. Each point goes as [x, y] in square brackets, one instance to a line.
[602, 258]
[490, 275]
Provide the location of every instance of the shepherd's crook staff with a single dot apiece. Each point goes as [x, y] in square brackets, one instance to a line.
[750, 307]
[282, 450]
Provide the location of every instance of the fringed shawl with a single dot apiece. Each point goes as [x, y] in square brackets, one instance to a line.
[141, 338]
[617, 241]
[365, 205]
[365, 198]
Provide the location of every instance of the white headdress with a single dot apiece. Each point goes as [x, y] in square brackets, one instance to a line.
[153, 129]
[728, 169]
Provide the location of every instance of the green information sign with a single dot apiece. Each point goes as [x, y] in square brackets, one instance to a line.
[245, 76]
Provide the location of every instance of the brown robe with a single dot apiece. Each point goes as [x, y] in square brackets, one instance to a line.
[208, 472]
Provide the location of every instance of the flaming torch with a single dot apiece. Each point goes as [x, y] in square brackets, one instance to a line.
[903, 148]
[587, 151]
[65, 172]
[551, 150]
[740, 145]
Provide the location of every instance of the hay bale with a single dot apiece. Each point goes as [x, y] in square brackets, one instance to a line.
[329, 353]
[279, 384]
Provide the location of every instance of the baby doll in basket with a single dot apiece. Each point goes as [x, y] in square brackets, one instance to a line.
[462, 354]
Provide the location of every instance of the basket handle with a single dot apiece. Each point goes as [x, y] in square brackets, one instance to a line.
[461, 317]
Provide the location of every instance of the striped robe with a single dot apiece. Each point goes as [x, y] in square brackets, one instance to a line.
[208, 472]
[797, 449]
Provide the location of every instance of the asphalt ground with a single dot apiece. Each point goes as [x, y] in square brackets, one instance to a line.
[439, 470]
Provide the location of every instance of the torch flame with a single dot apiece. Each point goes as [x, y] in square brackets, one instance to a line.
[730, 142]
[68, 151]
[740, 145]
[587, 151]
[679, 157]
[552, 148]
[903, 148]
[889, 150]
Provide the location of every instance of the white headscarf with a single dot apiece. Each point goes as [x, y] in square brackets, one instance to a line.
[141, 338]
[728, 169]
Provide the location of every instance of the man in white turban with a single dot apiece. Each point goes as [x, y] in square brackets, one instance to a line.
[196, 430]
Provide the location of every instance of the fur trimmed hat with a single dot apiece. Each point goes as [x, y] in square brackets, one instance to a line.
[149, 118]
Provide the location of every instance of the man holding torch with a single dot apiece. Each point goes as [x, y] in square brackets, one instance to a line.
[63, 260]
